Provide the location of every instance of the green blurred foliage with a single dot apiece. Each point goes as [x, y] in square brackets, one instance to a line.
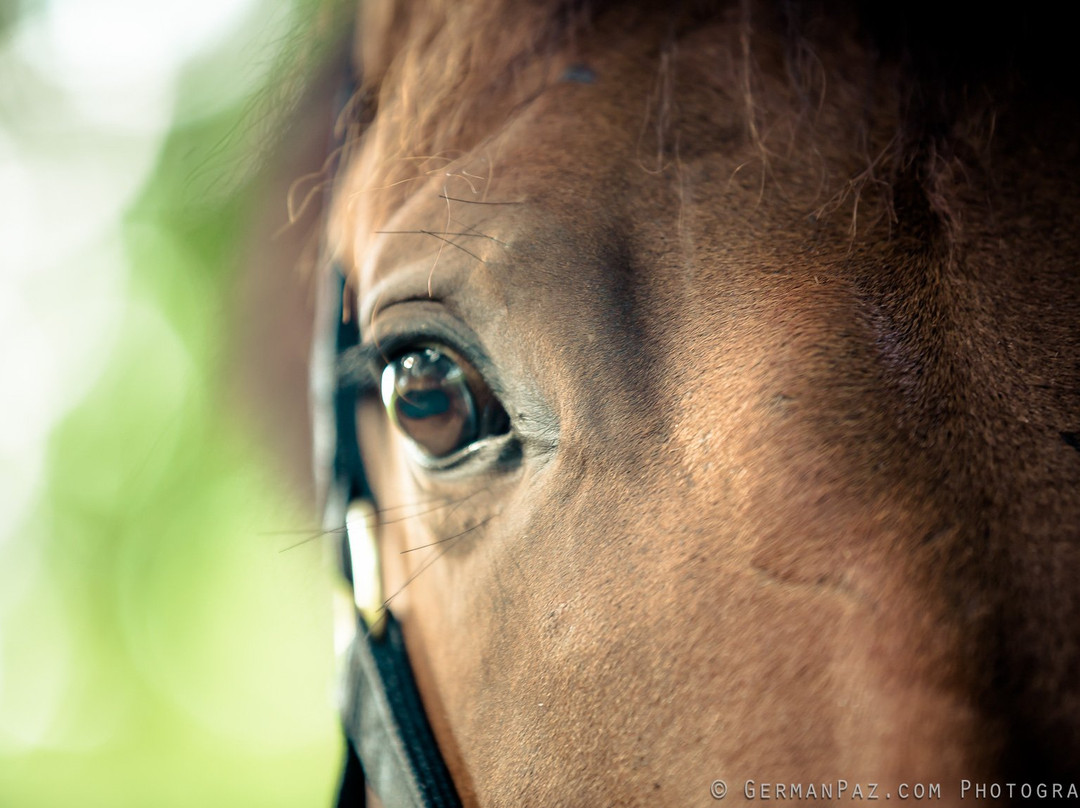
[174, 651]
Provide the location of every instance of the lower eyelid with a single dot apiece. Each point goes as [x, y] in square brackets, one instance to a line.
[490, 453]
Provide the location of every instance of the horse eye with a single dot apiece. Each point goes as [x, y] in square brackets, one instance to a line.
[440, 402]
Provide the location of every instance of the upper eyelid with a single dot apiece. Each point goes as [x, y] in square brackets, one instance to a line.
[360, 366]
[389, 312]
[411, 323]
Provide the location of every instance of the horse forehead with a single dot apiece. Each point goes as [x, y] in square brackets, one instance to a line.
[568, 161]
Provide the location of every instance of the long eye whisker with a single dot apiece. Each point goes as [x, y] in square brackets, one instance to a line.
[463, 500]
[470, 233]
[452, 243]
[403, 505]
[478, 201]
[446, 504]
[432, 560]
[471, 230]
[315, 534]
[481, 523]
[431, 272]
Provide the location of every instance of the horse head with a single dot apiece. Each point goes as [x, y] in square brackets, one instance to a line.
[723, 417]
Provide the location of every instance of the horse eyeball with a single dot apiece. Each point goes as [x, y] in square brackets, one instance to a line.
[439, 401]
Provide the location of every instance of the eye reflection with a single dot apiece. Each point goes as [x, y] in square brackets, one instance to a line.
[440, 402]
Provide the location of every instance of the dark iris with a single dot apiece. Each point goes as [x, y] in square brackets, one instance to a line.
[440, 402]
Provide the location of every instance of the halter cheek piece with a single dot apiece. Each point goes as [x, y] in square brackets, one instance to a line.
[390, 745]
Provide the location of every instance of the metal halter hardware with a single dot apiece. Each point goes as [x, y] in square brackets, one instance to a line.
[390, 745]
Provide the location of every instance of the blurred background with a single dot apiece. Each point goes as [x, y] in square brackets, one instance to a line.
[165, 630]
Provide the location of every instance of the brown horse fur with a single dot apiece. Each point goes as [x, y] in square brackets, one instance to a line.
[782, 301]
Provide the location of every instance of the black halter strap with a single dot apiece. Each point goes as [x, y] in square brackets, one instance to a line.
[390, 745]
